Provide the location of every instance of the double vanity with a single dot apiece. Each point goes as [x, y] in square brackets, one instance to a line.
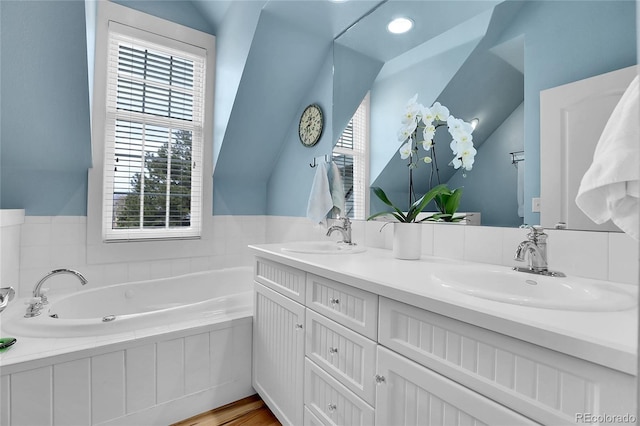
[355, 337]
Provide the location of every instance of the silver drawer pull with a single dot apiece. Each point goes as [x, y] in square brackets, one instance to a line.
[332, 407]
[380, 379]
[333, 350]
[334, 301]
[298, 326]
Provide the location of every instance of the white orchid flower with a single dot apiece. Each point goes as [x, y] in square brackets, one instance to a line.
[405, 151]
[406, 131]
[440, 112]
[429, 132]
[427, 160]
[428, 116]
[461, 136]
[427, 144]
[465, 158]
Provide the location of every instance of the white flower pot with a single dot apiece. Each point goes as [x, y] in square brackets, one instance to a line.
[407, 240]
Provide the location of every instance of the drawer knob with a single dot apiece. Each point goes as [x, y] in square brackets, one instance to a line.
[334, 301]
[298, 326]
[380, 379]
[332, 407]
[333, 350]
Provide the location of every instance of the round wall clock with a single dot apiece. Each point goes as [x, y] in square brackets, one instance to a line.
[311, 124]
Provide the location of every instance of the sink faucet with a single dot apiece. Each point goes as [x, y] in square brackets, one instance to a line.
[536, 248]
[39, 299]
[345, 230]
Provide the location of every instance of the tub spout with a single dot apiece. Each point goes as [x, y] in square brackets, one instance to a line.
[37, 290]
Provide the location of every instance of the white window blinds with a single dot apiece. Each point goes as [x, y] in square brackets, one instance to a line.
[154, 137]
[350, 154]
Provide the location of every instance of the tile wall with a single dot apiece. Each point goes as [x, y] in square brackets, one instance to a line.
[54, 242]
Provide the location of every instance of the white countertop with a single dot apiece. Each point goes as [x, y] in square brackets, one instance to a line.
[606, 338]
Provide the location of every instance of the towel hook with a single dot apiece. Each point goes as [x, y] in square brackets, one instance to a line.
[326, 160]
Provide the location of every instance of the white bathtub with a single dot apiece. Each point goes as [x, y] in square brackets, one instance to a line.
[133, 306]
[177, 347]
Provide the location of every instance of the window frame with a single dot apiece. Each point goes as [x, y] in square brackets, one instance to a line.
[100, 250]
[360, 155]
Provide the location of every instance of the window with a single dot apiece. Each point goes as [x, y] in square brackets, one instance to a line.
[153, 138]
[350, 154]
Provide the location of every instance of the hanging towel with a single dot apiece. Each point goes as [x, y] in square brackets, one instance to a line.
[320, 201]
[520, 189]
[337, 190]
[609, 188]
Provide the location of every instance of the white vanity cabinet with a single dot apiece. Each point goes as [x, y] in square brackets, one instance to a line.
[278, 340]
[326, 353]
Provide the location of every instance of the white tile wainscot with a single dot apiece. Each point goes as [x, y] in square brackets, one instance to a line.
[458, 358]
[157, 379]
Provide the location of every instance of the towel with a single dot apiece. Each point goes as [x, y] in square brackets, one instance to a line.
[609, 189]
[337, 190]
[520, 189]
[320, 201]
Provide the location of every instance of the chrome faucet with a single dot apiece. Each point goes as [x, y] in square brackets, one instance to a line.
[536, 248]
[39, 298]
[345, 230]
[6, 295]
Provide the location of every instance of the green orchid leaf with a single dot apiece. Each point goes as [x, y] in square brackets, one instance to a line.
[383, 197]
[420, 204]
[451, 205]
[394, 214]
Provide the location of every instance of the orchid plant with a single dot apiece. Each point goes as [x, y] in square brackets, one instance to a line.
[419, 126]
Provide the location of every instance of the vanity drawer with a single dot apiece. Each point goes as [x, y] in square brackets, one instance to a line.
[310, 419]
[331, 402]
[354, 308]
[346, 355]
[281, 278]
[544, 385]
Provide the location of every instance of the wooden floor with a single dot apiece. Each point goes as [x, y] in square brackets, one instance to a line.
[249, 411]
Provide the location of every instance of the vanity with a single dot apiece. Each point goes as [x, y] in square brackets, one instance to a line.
[363, 339]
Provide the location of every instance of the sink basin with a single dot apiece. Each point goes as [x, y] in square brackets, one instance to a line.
[518, 288]
[322, 247]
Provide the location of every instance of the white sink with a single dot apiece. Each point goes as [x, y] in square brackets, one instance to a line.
[322, 247]
[519, 288]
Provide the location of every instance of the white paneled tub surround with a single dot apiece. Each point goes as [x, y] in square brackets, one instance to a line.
[182, 347]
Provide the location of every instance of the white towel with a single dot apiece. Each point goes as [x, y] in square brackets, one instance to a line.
[337, 190]
[520, 189]
[609, 188]
[320, 201]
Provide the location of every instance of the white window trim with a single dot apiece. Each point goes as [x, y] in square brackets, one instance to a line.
[99, 251]
[361, 157]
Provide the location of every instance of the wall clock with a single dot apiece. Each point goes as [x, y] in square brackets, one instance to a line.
[311, 125]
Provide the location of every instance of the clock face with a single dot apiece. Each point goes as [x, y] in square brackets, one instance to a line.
[311, 123]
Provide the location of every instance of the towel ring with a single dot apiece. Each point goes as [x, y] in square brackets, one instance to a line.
[326, 160]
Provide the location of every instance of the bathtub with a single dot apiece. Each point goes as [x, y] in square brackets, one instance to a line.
[137, 305]
[176, 347]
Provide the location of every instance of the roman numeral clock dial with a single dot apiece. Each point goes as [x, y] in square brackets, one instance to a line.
[311, 125]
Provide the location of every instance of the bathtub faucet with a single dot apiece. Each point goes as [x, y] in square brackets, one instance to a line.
[38, 292]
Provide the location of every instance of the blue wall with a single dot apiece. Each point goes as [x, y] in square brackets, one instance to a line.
[45, 134]
[491, 187]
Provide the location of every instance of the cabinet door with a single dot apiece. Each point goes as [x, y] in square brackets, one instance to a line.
[410, 394]
[278, 354]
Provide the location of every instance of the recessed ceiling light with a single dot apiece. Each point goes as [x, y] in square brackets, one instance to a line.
[475, 122]
[338, 1]
[400, 25]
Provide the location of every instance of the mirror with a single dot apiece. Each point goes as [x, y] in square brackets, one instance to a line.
[482, 59]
